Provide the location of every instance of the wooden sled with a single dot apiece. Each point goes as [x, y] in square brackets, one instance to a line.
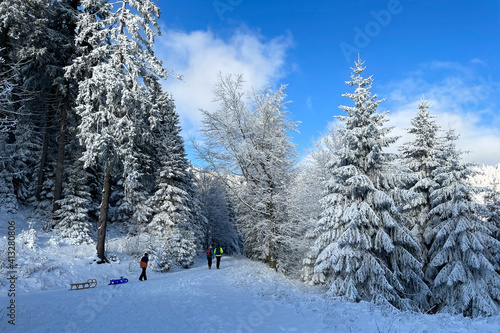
[91, 283]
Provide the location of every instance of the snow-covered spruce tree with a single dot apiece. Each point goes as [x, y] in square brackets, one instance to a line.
[117, 39]
[176, 221]
[73, 221]
[247, 142]
[6, 123]
[63, 20]
[136, 184]
[8, 200]
[422, 157]
[18, 158]
[75, 205]
[44, 48]
[22, 155]
[7, 83]
[15, 22]
[461, 267]
[46, 196]
[365, 250]
[24, 30]
[36, 37]
[75, 217]
[488, 177]
[492, 201]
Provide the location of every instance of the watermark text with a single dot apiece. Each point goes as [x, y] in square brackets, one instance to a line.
[363, 36]
[12, 272]
[224, 6]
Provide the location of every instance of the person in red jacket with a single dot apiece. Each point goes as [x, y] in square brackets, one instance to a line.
[144, 265]
[210, 255]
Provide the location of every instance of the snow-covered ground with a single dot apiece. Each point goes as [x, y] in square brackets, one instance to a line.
[243, 296]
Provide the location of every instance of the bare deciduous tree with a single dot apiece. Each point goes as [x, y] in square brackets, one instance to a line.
[247, 142]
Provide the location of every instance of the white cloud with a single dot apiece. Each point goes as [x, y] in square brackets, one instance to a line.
[200, 55]
[479, 62]
[461, 99]
[309, 103]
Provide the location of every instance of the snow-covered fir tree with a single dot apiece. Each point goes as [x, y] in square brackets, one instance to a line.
[6, 87]
[63, 18]
[36, 39]
[24, 36]
[23, 156]
[365, 250]
[422, 157]
[136, 183]
[176, 219]
[117, 39]
[75, 217]
[73, 220]
[8, 199]
[488, 177]
[461, 267]
[19, 150]
[492, 202]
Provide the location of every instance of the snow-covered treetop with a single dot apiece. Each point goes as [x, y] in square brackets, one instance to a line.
[364, 135]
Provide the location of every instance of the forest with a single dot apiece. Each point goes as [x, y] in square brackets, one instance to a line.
[90, 139]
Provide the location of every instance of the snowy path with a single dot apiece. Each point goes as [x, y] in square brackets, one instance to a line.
[243, 296]
[193, 300]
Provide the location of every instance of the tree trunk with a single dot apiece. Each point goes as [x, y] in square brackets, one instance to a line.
[60, 158]
[103, 214]
[43, 158]
[271, 257]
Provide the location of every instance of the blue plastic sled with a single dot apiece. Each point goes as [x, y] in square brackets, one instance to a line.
[118, 281]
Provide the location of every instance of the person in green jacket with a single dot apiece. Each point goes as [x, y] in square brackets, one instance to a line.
[218, 254]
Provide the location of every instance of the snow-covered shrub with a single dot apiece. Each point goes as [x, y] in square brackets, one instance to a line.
[26, 239]
[8, 200]
[178, 249]
[160, 258]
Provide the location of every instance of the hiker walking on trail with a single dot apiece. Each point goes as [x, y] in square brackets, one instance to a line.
[210, 256]
[218, 254]
[144, 265]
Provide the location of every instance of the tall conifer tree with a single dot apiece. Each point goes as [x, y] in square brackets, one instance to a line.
[461, 267]
[118, 42]
[177, 221]
[365, 250]
[422, 156]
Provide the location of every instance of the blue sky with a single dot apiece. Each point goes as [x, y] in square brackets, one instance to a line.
[446, 51]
